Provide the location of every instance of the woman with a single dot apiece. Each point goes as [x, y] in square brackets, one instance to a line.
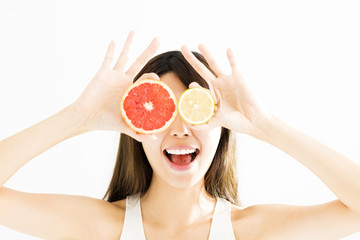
[146, 197]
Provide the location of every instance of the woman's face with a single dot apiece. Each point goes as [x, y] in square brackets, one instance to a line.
[180, 156]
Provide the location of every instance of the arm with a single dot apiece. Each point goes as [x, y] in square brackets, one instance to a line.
[239, 110]
[58, 216]
[338, 172]
[49, 216]
[20, 148]
[331, 220]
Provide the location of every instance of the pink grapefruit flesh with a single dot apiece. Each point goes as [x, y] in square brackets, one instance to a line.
[148, 106]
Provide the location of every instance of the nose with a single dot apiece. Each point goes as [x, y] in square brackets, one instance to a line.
[179, 128]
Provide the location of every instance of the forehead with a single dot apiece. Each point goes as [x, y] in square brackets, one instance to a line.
[174, 82]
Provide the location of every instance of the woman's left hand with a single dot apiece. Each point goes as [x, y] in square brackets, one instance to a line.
[236, 106]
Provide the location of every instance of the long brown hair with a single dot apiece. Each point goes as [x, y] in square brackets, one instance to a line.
[132, 173]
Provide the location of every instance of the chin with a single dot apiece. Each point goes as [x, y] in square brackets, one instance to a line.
[184, 182]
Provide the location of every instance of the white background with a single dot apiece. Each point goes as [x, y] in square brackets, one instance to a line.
[301, 58]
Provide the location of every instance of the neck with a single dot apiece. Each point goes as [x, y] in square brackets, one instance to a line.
[169, 206]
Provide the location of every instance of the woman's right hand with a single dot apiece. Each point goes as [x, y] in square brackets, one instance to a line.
[99, 104]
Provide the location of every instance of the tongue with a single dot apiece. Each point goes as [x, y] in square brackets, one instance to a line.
[181, 159]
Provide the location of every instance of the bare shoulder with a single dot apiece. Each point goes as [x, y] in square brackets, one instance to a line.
[60, 216]
[107, 218]
[115, 217]
[115, 214]
[331, 220]
[246, 222]
[121, 205]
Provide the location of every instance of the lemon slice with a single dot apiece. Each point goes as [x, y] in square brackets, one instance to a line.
[196, 105]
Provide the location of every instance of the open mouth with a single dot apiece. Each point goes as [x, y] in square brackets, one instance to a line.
[181, 157]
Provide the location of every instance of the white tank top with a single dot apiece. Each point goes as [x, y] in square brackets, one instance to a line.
[221, 227]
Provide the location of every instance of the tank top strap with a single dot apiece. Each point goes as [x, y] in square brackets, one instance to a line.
[221, 226]
[133, 226]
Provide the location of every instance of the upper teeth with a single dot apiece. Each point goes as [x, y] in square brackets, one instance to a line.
[180, 152]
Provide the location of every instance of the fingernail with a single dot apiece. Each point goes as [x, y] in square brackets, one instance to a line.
[185, 48]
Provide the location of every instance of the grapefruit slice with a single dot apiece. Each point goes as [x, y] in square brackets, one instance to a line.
[196, 105]
[148, 106]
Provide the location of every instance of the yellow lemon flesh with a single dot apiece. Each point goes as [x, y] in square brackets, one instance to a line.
[196, 105]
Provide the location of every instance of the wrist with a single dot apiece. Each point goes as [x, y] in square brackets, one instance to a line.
[262, 129]
[74, 120]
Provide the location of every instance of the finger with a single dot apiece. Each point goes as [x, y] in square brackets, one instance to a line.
[153, 76]
[143, 58]
[123, 57]
[232, 60]
[212, 63]
[218, 99]
[109, 56]
[200, 68]
[216, 95]
[194, 85]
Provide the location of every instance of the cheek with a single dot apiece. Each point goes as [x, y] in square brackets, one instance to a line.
[210, 141]
[151, 148]
[211, 137]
